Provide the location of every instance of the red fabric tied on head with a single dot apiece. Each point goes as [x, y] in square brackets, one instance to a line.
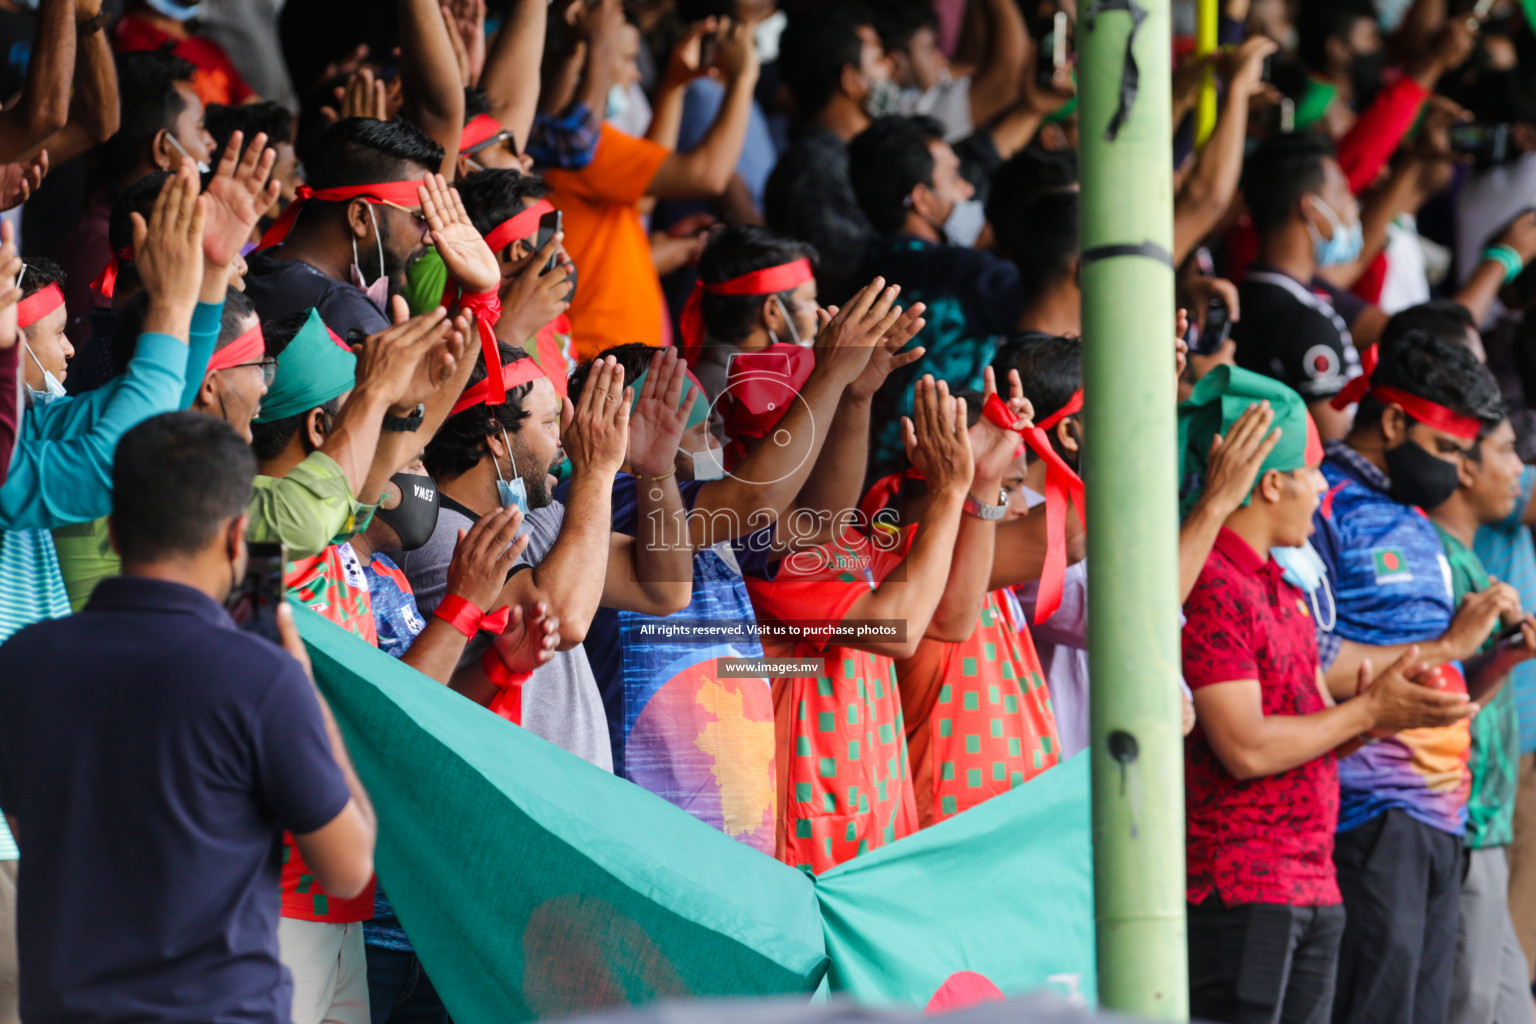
[38, 305]
[250, 347]
[106, 281]
[401, 193]
[1072, 408]
[882, 491]
[513, 374]
[768, 281]
[482, 128]
[761, 387]
[515, 229]
[1358, 386]
[1431, 414]
[1314, 454]
[1062, 487]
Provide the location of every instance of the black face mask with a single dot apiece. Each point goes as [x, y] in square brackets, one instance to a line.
[1419, 478]
[1365, 73]
[415, 517]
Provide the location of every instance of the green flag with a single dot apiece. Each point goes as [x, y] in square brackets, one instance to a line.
[536, 885]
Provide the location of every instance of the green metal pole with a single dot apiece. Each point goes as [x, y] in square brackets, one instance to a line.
[1133, 638]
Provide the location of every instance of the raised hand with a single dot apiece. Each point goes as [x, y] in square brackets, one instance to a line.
[1475, 619]
[362, 96]
[657, 426]
[736, 52]
[405, 363]
[686, 62]
[239, 192]
[1233, 466]
[598, 434]
[938, 443]
[1400, 699]
[846, 341]
[469, 260]
[19, 181]
[887, 356]
[484, 555]
[468, 23]
[530, 298]
[168, 251]
[992, 446]
[10, 291]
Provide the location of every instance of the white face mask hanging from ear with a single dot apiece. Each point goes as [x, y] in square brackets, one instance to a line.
[789, 324]
[512, 493]
[378, 291]
[202, 165]
[51, 387]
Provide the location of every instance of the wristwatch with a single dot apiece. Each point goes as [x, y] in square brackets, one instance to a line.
[406, 424]
[93, 24]
[990, 513]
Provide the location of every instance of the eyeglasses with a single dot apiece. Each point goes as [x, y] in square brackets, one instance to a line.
[268, 369]
[421, 218]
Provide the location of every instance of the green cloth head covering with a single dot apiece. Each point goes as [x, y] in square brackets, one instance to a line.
[1065, 111]
[425, 280]
[1218, 400]
[700, 410]
[1313, 103]
[311, 371]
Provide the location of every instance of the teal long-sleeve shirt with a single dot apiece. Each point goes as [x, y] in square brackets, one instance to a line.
[61, 471]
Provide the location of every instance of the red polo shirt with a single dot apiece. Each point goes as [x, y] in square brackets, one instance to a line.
[1266, 840]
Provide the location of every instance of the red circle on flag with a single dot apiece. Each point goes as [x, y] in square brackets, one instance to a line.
[1390, 560]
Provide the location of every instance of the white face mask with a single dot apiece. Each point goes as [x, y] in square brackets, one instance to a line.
[707, 465]
[1305, 570]
[766, 35]
[378, 291]
[202, 165]
[512, 493]
[51, 387]
[963, 225]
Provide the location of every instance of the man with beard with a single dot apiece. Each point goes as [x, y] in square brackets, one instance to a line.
[357, 225]
[499, 453]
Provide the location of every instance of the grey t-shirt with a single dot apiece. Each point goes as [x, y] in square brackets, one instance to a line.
[561, 702]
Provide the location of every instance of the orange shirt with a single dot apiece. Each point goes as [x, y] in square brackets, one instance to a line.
[978, 715]
[618, 297]
[844, 784]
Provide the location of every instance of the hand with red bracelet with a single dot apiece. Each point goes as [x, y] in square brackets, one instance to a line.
[531, 639]
[484, 556]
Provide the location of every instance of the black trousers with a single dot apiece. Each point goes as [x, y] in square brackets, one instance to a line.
[1262, 963]
[1401, 881]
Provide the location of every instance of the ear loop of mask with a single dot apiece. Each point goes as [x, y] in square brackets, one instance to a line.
[789, 323]
[1333, 608]
[378, 240]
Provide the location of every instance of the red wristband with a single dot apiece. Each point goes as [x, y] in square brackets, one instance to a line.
[467, 617]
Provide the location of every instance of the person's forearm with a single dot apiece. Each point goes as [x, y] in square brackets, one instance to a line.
[597, 77]
[215, 283]
[344, 762]
[1481, 289]
[706, 169]
[429, 72]
[1418, 27]
[511, 75]
[913, 598]
[202, 339]
[1197, 536]
[662, 560]
[1208, 193]
[1012, 131]
[837, 483]
[44, 106]
[169, 317]
[572, 576]
[354, 439]
[667, 114]
[559, 80]
[1343, 676]
[785, 468]
[995, 83]
[435, 652]
[970, 570]
[1282, 742]
[1021, 548]
[93, 112]
[1486, 673]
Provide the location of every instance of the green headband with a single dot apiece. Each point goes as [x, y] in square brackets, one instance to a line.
[312, 370]
[1214, 406]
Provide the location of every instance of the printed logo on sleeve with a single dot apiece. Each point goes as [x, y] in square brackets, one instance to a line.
[1391, 566]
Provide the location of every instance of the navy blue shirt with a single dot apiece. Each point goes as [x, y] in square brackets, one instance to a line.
[152, 755]
[281, 287]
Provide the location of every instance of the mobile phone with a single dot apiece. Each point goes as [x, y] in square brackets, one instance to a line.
[1510, 636]
[549, 226]
[707, 46]
[1054, 42]
[253, 604]
[1218, 327]
[1486, 143]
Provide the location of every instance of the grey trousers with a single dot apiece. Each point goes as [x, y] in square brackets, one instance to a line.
[10, 1013]
[1488, 983]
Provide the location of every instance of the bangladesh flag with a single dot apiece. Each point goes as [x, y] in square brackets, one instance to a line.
[1389, 561]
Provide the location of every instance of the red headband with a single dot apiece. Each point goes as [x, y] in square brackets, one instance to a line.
[883, 490]
[1062, 487]
[513, 374]
[38, 305]
[401, 193]
[1431, 414]
[106, 281]
[250, 347]
[1072, 408]
[482, 128]
[1314, 453]
[517, 228]
[768, 281]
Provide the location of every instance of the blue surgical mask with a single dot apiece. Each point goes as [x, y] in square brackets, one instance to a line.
[51, 387]
[1345, 246]
[1306, 571]
[618, 102]
[511, 493]
[173, 10]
